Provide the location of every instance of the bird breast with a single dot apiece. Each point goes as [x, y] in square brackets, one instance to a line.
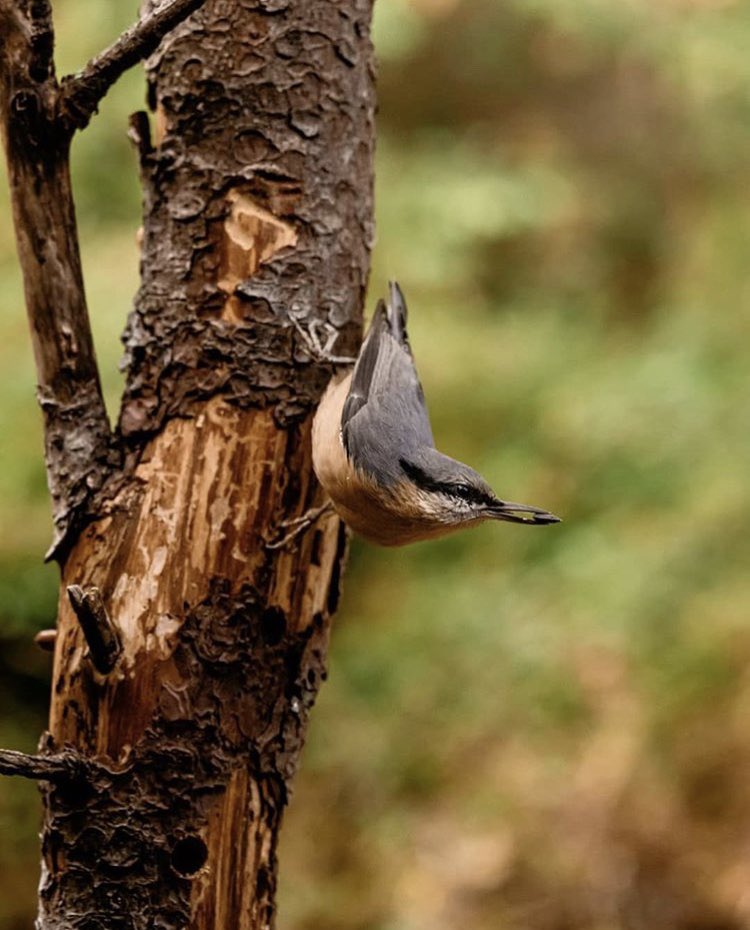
[391, 516]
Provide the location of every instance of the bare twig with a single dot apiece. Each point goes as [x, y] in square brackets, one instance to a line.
[81, 93]
[77, 433]
[101, 634]
[63, 766]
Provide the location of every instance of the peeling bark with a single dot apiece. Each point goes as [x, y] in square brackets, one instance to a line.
[192, 646]
[203, 719]
[285, 123]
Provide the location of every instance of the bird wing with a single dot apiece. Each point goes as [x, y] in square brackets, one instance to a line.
[385, 415]
[364, 368]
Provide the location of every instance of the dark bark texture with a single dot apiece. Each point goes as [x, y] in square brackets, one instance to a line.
[189, 648]
[271, 114]
[81, 93]
[76, 429]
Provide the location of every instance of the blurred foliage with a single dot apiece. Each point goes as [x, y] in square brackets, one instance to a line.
[531, 730]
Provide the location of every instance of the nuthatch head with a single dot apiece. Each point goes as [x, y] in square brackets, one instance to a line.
[374, 454]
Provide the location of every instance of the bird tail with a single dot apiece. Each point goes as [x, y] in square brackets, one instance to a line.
[397, 312]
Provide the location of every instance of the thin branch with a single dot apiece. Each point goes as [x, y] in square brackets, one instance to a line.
[76, 427]
[82, 92]
[64, 766]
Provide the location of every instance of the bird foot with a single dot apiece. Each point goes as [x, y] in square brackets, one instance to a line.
[313, 336]
[299, 525]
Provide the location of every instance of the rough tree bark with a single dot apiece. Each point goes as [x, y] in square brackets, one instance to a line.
[193, 620]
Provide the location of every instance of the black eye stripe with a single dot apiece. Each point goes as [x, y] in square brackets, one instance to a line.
[418, 476]
[466, 492]
[460, 490]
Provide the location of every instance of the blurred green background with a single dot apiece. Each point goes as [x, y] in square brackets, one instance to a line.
[523, 729]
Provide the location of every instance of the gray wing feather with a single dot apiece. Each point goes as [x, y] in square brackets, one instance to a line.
[385, 416]
[364, 368]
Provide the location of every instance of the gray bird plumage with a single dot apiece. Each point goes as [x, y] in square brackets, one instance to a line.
[374, 453]
[386, 432]
[385, 416]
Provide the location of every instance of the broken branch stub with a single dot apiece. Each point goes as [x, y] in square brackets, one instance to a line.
[102, 637]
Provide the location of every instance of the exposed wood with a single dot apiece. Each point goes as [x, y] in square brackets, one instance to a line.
[224, 646]
[255, 251]
[163, 550]
[252, 236]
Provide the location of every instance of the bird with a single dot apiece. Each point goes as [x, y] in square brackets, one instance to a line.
[374, 451]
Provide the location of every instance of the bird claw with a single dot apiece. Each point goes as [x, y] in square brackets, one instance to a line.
[321, 351]
[299, 525]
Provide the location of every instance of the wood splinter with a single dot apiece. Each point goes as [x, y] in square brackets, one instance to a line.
[100, 632]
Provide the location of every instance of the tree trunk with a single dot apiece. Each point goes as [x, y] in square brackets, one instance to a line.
[194, 620]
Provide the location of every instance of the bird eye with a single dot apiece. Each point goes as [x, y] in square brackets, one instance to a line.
[465, 491]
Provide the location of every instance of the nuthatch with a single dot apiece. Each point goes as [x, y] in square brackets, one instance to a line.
[374, 454]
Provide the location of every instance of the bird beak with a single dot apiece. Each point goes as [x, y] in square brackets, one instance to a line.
[520, 513]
